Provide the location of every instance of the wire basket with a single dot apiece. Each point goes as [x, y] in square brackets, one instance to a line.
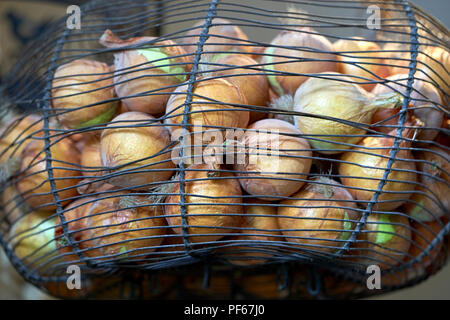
[251, 150]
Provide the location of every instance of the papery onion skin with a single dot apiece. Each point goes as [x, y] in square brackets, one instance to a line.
[76, 218]
[130, 138]
[431, 116]
[338, 99]
[268, 158]
[312, 225]
[78, 84]
[221, 207]
[384, 241]
[34, 183]
[152, 66]
[283, 59]
[220, 90]
[358, 54]
[364, 166]
[223, 36]
[430, 199]
[124, 223]
[254, 87]
[91, 159]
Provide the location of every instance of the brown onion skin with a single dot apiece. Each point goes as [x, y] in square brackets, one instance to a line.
[311, 223]
[129, 140]
[91, 159]
[254, 87]
[198, 214]
[16, 133]
[239, 43]
[431, 116]
[136, 75]
[34, 181]
[220, 90]
[289, 84]
[389, 253]
[272, 189]
[119, 228]
[430, 199]
[369, 52]
[76, 218]
[84, 82]
[354, 173]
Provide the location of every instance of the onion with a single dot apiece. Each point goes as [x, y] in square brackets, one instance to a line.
[361, 58]
[146, 69]
[79, 84]
[33, 183]
[430, 199]
[384, 241]
[273, 158]
[91, 160]
[364, 166]
[341, 100]
[281, 58]
[318, 229]
[261, 224]
[223, 36]
[212, 205]
[124, 227]
[31, 240]
[205, 94]
[136, 136]
[12, 204]
[427, 112]
[252, 83]
[76, 218]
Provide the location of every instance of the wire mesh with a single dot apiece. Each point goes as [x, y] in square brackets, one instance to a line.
[270, 145]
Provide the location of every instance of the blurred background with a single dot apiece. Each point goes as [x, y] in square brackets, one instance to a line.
[22, 21]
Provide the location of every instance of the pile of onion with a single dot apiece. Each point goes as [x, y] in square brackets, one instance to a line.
[134, 147]
[213, 205]
[425, 102]
[319, 218]
[363, 167]
[246, 74]
[124, 227]
[361, 58]
[33, 183]
[384, 241]
[83, 93]
[331, 96]
[146, 71]
[223, 36]
[278, 159]
[430, 200]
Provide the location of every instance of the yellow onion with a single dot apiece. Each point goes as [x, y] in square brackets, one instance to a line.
[75, 216]
[363, 168]
[260, 221]
[146, 69]
[205, 94]
[33, 183]
[131, 142]
[428, 112]
[253, 84]
[212, 205]
[276, 153]
[361, 58]
[319, 217]
[15, 135]
[124, 227]
[430, 199]
[223, 36]
[31, 239]
[281, 58]
[79, 84]
[331, 97]
[384, 240]
[91, 160]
